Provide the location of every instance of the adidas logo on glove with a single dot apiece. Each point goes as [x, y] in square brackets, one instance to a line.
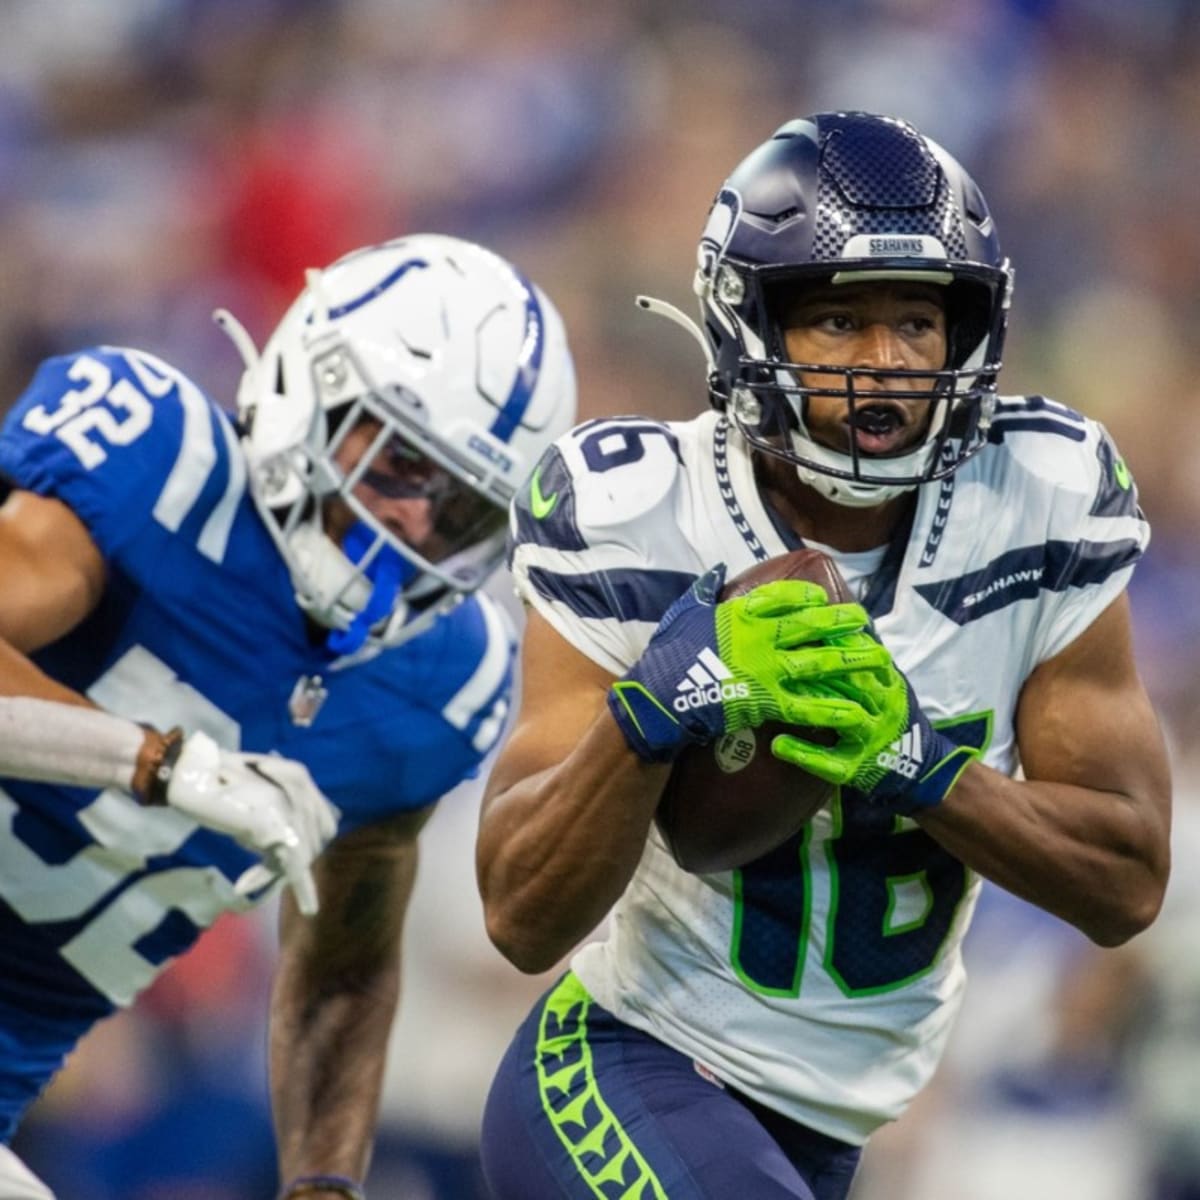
[707, 682]
[903, 756]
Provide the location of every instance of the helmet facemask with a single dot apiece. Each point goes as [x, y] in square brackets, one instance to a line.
[428, 562]
[770, 398]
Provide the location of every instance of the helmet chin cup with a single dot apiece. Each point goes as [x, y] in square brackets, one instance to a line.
[337, 589]
[364, 603]
[848, 493]
[386, 570]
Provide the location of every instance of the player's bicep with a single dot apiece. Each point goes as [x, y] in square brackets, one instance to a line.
[53, 571]
[562, 693]
[1084, 717]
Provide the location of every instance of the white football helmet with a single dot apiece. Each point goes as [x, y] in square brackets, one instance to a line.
[426, 369]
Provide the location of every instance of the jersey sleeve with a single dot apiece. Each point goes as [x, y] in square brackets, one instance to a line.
[119, 437]
[1096, 535]
[595, 545]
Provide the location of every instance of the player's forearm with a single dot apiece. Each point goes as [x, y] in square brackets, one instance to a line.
[51, 732]
[557, 848]
[331, 1013]
[1097, 859]
[334, 1001]
[69, 741]
[327, 1062]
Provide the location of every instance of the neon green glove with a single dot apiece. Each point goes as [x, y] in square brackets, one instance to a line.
[887, 749]
[714, 666]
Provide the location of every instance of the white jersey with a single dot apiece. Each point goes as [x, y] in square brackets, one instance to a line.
[822, 979]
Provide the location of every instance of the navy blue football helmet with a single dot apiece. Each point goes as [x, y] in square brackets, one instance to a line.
[849, 197]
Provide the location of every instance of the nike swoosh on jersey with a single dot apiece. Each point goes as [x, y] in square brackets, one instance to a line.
[541, 506]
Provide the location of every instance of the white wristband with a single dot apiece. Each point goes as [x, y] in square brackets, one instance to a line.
[67, 743]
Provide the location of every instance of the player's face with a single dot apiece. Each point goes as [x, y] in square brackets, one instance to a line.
[880, 327]
[413, 497]
[397, 486]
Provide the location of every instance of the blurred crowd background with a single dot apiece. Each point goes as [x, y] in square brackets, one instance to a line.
[159, 158]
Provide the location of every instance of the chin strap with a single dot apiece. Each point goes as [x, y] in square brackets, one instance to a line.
[387, 573]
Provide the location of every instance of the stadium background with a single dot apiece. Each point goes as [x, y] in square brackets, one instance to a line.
[161, 157]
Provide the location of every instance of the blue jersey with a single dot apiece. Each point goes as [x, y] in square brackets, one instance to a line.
[198, 627]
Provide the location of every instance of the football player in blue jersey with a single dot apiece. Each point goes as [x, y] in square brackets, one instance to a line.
[743, 1032]
[226, 646]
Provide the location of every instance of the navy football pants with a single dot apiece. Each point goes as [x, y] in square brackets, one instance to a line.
[585, 1106]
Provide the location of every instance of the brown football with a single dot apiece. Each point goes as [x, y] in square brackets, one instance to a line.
[730, 802]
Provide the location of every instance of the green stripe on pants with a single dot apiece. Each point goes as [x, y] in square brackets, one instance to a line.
[573, 1103]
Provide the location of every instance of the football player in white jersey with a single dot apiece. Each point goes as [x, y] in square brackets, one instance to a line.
[225, 646]
[743, 1032]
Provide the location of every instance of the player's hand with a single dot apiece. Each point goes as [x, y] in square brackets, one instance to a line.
[886, 748]
[712, 666]
[266, 803]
